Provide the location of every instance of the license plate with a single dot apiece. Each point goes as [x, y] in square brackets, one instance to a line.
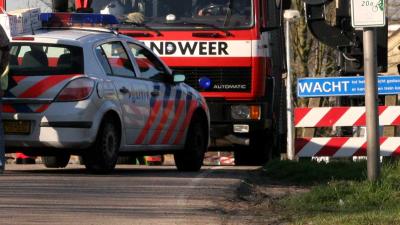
[16, 126]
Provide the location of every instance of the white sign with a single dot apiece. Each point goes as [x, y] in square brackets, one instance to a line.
[368, 13]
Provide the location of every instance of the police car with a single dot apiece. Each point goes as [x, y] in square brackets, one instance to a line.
[96, 93]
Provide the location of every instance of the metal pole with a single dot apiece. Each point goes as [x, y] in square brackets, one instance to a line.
[289, 102]
[371, 103]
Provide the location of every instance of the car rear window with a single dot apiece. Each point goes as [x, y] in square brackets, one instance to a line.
[32, 59]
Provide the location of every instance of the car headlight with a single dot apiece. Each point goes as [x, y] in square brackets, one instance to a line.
[246, 112]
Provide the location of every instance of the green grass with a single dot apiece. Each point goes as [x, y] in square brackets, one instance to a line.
[340, 193]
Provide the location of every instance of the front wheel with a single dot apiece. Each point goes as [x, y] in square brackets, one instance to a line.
[258, 153]
[103, 155]
[57, 161]
[191, 158]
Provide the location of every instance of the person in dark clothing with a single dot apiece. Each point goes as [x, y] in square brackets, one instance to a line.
[4, 67]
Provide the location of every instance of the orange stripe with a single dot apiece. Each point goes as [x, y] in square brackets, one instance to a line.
[42, 108]
[163, 120]
[43, 85]
[185, 124]
[152, 117]
[174, 122]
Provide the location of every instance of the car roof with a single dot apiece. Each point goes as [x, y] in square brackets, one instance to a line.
[76, 36]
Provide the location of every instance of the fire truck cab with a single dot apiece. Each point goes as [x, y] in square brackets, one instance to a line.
[230, 50]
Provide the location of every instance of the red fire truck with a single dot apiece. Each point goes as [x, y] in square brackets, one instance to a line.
[230, 50]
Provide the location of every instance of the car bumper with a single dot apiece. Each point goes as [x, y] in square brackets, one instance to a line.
[62, 125]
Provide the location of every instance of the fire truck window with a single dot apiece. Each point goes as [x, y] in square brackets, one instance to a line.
[149, 65]
[118, 59]
[165, 13]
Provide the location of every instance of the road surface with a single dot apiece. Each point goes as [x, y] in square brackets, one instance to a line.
[31, 194]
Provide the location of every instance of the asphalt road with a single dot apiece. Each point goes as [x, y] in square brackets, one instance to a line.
[31, 194]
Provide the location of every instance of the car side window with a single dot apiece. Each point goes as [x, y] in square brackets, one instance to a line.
[115, 60]
[149, 65]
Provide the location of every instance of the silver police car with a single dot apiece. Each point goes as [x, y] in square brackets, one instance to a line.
[99, 94]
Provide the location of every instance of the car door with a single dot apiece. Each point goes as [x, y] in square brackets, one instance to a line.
[132, 94]
[166, 97]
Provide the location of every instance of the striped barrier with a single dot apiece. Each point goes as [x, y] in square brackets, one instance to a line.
[343, 116]
[343, 146]
[338, 147]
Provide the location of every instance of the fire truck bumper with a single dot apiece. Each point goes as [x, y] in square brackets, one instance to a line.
[228, 131]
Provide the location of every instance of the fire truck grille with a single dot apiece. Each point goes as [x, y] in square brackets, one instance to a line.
[221, 79]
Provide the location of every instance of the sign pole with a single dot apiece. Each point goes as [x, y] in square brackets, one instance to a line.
[289, 104]
[371, 103]
[289, 15]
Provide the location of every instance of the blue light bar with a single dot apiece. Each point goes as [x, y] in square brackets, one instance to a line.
[77, 19]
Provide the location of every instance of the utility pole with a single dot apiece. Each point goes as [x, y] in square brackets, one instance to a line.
[369, 15]
[289, 15]
[371, 103]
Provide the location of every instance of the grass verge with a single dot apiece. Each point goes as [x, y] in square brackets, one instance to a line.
[340, 193]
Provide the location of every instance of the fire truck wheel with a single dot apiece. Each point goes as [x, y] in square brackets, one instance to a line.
[191, 158]
[57, 161]
[103, 155]
[258, 153]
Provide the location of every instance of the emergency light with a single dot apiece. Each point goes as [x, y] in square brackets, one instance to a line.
[77, 20]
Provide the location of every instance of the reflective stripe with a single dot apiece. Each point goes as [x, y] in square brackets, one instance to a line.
[154, 108]
[184, 126]
[167, 107]
[42, 86]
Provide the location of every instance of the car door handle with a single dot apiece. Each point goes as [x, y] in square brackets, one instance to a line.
[124, 90]
[155, 93]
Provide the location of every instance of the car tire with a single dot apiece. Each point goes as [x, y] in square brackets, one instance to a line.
[258, 153]
[57, 161]
[103, 155]
[192, 156]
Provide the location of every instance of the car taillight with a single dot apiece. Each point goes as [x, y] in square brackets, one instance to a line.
[76, 90]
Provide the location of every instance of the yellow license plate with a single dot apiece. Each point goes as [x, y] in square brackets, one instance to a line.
[16, 126]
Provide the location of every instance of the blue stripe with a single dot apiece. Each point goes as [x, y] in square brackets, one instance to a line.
[167, 95]
[22, 108]
[153, 98]
[177, 98]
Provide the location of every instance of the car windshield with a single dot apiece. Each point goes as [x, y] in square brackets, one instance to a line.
[34, 59]
[182, 14]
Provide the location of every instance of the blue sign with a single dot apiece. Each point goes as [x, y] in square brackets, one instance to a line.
[344, 86]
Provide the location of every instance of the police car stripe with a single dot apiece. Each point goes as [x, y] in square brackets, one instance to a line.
[167, 106]
[18, 79]
[178, 111]
[43, 85]
[25, 84]
[192, 106]
[42, 108]
[7, 108]
[155, 107]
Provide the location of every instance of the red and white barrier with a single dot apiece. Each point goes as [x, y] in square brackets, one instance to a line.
[343, 146]
[343, 116]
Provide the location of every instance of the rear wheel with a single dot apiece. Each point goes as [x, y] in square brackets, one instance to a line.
[103, 155]
[258, 153]
[57, 161]
[191, 158]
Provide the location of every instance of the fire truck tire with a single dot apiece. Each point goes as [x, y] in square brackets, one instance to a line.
[191, 158]
[103, 155]
[57, 161]
[258, 153]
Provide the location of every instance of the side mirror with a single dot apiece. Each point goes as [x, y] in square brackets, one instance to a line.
[178, 78]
